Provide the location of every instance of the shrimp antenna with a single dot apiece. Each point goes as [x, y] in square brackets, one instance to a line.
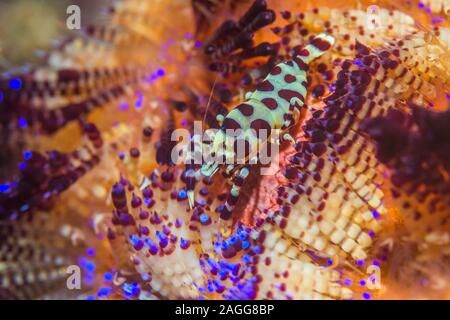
[190, 193]
[210, 98]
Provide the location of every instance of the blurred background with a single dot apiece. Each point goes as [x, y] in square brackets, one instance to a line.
[30, 26]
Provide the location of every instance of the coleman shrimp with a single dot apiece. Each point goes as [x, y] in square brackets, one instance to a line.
[276, 104]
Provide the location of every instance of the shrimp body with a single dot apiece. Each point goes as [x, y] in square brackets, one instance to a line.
[276, 103]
